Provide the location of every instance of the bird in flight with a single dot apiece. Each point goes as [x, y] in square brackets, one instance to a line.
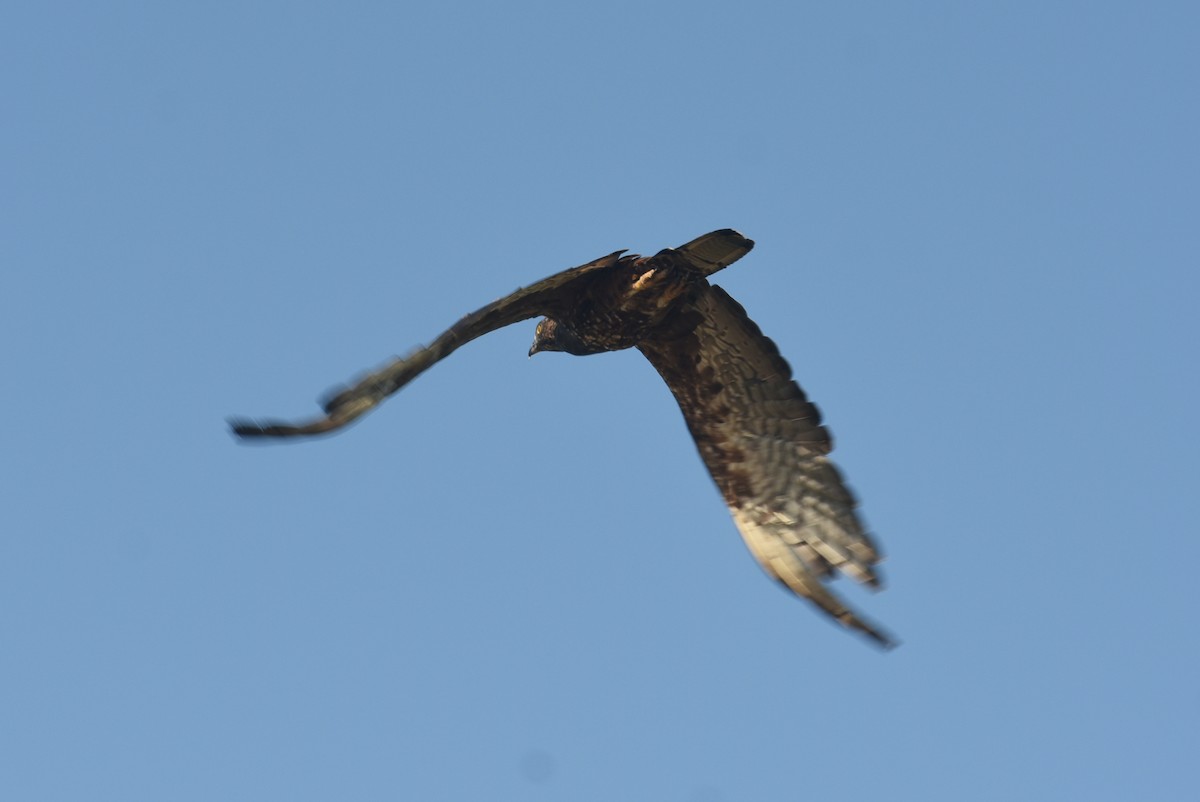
[758, 434]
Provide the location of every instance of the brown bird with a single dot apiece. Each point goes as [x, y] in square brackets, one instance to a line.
[760, 437]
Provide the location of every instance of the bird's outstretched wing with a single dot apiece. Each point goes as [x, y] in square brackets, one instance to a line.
[343, 406]
[765, 447]
[709, 253]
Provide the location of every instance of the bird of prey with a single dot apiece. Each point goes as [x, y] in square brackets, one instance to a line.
[759, 436]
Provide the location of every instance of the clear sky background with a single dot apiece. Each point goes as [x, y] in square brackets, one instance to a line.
[977, 245]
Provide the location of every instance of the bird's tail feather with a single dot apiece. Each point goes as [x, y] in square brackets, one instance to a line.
[716, 250]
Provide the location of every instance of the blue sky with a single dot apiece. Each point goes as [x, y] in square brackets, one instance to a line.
[977, 239]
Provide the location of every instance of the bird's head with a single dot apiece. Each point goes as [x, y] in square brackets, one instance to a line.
[551, 335]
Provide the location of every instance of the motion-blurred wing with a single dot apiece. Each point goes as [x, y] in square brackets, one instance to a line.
[546, 297]
[765, 447]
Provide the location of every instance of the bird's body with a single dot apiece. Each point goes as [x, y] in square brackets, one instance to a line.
[760, 438]
[625, 305]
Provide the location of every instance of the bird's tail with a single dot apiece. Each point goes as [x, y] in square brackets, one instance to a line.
[716, 250]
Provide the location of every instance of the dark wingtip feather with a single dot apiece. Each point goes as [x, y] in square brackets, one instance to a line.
[877, 636]
[883, 640]
[252, 430]
[247, 429]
